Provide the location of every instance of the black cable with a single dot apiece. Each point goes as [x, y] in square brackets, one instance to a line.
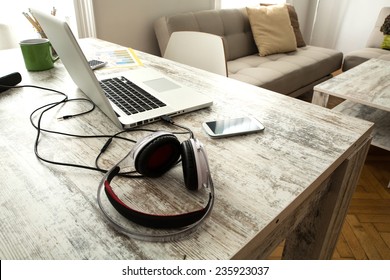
[169, 120]
[47, 107]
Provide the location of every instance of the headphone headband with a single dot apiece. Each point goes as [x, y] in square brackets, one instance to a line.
[182, 224]
[150, 220]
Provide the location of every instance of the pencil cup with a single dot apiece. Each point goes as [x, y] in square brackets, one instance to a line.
[37, 54]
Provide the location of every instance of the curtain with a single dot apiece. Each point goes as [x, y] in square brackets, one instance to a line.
[85, 18]
[330, 11]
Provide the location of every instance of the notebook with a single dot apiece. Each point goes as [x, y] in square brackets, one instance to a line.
[175, 98]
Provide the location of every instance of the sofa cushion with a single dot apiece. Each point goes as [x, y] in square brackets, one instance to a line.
[386, 42]
[231, 24]
[385, 29]
[294, 23]
[272, 30]
[287, 72]
[376, 37]
[354, 58]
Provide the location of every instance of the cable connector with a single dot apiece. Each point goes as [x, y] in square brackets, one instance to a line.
[167, 119]
[64, 117]
[106, 145]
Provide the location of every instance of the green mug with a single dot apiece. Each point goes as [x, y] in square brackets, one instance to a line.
[38, 54]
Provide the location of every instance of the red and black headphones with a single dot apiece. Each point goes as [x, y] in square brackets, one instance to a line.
[152, 156]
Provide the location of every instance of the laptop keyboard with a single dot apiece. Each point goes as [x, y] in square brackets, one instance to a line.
[128, 96]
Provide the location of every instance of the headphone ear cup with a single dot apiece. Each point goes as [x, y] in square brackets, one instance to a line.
[158, 156]
[189, 164]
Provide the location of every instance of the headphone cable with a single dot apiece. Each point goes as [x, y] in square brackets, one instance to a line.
[47, 107]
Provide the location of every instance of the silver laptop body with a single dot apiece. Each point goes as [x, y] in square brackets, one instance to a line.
[178, 98]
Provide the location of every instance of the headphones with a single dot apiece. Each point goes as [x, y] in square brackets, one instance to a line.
[151, 157]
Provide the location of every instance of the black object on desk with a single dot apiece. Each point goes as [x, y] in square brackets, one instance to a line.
[9, 80]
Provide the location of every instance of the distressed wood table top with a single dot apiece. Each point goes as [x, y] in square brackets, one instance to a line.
[261, 180]
[367, 83]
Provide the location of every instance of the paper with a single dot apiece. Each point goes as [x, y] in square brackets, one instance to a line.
[118, 58]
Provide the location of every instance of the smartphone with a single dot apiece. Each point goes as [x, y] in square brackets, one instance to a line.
[230, 127]
[95, 64]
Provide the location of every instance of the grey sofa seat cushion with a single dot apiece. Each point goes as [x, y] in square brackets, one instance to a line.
[354, 58]
[288, 72]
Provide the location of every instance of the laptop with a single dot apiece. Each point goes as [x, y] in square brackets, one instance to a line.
[170, 97]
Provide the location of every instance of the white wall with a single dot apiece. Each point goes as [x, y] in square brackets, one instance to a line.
[130, 22]
[345, 24]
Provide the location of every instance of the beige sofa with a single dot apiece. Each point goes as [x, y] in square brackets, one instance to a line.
[372, 49]
[292, 73]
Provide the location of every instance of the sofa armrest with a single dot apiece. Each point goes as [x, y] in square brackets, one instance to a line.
[355, 58]
[198, 49]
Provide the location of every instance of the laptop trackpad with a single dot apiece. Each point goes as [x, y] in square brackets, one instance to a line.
[161, 84]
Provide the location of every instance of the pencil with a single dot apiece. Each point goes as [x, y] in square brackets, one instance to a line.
[32, 21]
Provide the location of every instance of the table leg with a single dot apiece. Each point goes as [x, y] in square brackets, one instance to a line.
[320, 98]
[317, 234]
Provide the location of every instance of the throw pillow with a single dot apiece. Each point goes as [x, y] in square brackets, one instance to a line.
[272, 30]
[294, 23]
[386, 43]
[385, 29]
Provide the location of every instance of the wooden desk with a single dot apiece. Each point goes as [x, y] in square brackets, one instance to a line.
[294, 181]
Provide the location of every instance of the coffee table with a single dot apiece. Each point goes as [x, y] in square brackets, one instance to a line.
[366, 89]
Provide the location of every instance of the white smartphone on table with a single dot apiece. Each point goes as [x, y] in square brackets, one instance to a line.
[230, 127]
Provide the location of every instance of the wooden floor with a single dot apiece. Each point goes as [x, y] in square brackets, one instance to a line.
[366, 230]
